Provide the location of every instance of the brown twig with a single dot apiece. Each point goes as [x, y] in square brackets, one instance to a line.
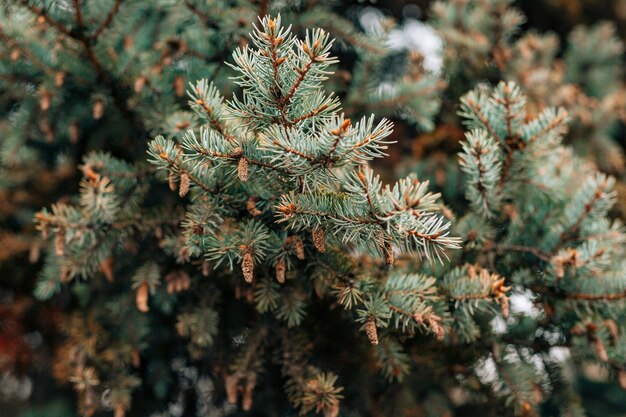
[263, 8]
[40, 12]
[544, 256]
[107, 20]
[303, 73]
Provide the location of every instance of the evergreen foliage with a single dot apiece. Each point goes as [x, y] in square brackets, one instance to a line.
[483, 41]
[242, 252]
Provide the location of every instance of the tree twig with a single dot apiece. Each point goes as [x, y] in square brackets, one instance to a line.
[107, 20]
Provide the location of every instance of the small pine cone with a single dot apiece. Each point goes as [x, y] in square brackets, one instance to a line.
[44, 125]
[206, 268]
[141, 298]
[388, 253]
[600, 349]
[107, 268]
[578, 330]
[621, 378]
[242, 169]
[230, 385]
[44, 100]
[91, 174]
[128, 42]
[98, 109]
[59, 243]
[120, 411]
[319, 240]
[89, 402]
[177, 281]
[611, 326]
[184, 184]
[179, 85]
[298, 246]
[34, 252]
[281, 266]
[172, 181]
[370, 330]
[184, 282]
[247, 266]
[537, 394]
[171, 282]
[136, 358]
[140, 82]
[64, 275]
[251, 206]
[59, 79]
[559, 270]
[246, 401]
[74, 133]
[434, 322]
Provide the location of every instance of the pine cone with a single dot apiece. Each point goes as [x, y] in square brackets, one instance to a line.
[600, 349]
[388, 253]
[98, 109]
[206, 268]
[184, 184]
[177, 281]
[280, 270]
[247, 266]
[434, 322]
[251, 206]
[621, 378]
[120, 411]
[74, 132]
[141, 298]
[231, 384]
[370, 330]
[242, 169]
[298, 246]
[34, 253]
[136, 358]
[172, 181]
[64, 274]
[319, 240]
[139, 83]
[179, 85]
[248, 392]
[59, 243]
[107, 268]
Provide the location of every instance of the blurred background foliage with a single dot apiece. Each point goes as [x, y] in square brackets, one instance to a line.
[29, 331]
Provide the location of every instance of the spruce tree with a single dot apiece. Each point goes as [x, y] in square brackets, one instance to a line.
[241, 253]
